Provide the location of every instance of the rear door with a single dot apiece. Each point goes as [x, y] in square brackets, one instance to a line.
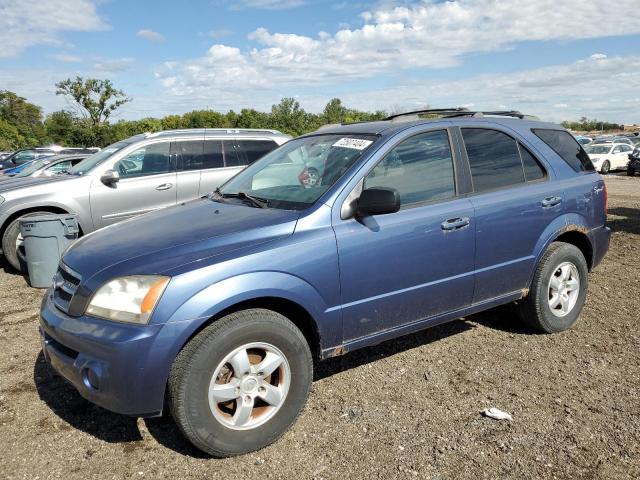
[188, 156]
[147, 182]
[417, 263]
[621, 156]
[514, 203]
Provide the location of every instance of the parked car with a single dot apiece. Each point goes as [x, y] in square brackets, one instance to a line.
[582, 140]
[44, 167]
[220, 305]
[609, 156]
[633, 165]
[131, 177]
[4, 155]
[20, 157]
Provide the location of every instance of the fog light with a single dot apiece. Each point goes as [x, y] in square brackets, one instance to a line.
[90, 379]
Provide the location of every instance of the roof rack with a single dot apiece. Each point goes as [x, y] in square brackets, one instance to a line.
[463, 112]
[204, 131]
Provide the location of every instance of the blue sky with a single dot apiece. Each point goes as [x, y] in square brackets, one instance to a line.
[559, 59]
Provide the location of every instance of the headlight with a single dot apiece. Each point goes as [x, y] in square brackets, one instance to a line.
[595, 160]
[128, 299]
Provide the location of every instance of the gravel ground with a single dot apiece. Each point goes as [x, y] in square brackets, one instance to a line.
[409, 408]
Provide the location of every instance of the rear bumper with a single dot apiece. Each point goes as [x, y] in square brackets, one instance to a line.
[115, 366]
[600, 239]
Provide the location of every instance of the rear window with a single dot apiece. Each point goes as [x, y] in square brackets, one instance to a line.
[566, 147]
[255, 149]
[494, 159]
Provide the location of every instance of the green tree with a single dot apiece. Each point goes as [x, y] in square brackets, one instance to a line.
[58, 127]
[10, 138]
[94, 99]
[289, 117]
[334, 111]
[204, 119]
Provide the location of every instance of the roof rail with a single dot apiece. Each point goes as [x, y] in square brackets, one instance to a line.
[462, 112]
[204, 131]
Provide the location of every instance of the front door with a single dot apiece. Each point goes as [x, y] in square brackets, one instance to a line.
[147, 182]
[416, 263]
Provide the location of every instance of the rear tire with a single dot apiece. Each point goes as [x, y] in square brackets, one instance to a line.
[224, 362]
[558, 290]
[12, 252]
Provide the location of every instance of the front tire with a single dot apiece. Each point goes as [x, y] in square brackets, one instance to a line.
[606, 166]
[241, 383]
[558, 291]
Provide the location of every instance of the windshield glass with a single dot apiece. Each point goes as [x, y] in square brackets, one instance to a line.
[295, 175]
[96, 159]
[597, 149]
[32, 167]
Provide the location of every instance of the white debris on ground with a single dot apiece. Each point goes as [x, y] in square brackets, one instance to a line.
[496, 414]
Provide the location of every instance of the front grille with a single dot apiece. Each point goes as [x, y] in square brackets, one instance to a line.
[65, 284]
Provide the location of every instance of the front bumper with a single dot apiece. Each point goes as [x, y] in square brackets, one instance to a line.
[120, 367]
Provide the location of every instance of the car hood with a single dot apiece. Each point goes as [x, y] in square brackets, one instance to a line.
[170, 238]
[21, 182]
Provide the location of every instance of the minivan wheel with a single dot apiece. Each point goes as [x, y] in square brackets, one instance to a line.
[12, 246]
[241, 383]
[606, 166]
[558, 290]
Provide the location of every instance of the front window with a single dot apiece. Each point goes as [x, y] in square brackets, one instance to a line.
[297, 174]
[96, 159]
[31, 168]
[598, 149]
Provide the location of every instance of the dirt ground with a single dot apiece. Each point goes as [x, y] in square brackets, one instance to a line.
[409, 408]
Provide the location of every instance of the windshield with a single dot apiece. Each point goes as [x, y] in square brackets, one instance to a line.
[96, 159]
[597, 149]
[295, 175]
[32, 167]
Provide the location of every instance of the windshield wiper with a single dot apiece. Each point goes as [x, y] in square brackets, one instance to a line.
[255, 201]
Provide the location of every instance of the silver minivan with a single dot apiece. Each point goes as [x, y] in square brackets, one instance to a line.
[134, 176]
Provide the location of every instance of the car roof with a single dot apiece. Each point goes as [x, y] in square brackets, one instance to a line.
[65, 156]
[390, 127]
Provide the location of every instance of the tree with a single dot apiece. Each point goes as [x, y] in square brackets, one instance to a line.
[59, 125]
[94, 99]
[334, 112]
[10, 138]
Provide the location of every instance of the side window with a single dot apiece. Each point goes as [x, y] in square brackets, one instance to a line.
[232, 155]
[567, 148]
[255, 149]
[149, 160]
[532, 168]
[212, 155]
[420, 168]
[189, 154]
[60, 167]
[617, 149]
[493, 157]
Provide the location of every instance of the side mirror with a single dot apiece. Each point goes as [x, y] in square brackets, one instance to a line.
[378, 201]
[110, 177]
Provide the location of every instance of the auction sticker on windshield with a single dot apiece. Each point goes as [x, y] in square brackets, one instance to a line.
[355, 143]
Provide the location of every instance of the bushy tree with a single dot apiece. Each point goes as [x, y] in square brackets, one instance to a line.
[93, 98]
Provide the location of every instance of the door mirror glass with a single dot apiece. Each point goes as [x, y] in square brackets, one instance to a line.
[378, 201]
[110, 177]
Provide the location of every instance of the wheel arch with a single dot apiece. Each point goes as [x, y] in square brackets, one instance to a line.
[34, 208]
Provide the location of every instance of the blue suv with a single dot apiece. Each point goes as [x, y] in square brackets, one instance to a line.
[216, 309]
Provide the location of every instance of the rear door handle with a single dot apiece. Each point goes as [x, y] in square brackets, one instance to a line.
[164, 186]
[456, 223]
[551, 202]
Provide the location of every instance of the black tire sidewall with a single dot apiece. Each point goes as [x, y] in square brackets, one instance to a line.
[211, 435]
[9, 238]
[565, 253]
[604, 170]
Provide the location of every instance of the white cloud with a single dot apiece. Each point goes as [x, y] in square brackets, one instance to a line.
[23, 24]
[219, 32]
[114, 65]
[598, 56]
[150, 35]
[427, 34]
[66, 57]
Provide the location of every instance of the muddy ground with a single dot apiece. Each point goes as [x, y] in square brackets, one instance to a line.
[409, 408]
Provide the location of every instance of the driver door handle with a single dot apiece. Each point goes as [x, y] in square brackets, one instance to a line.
[164, 186]
[454, 224]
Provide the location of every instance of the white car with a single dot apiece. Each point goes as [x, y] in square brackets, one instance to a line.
[609, 156]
